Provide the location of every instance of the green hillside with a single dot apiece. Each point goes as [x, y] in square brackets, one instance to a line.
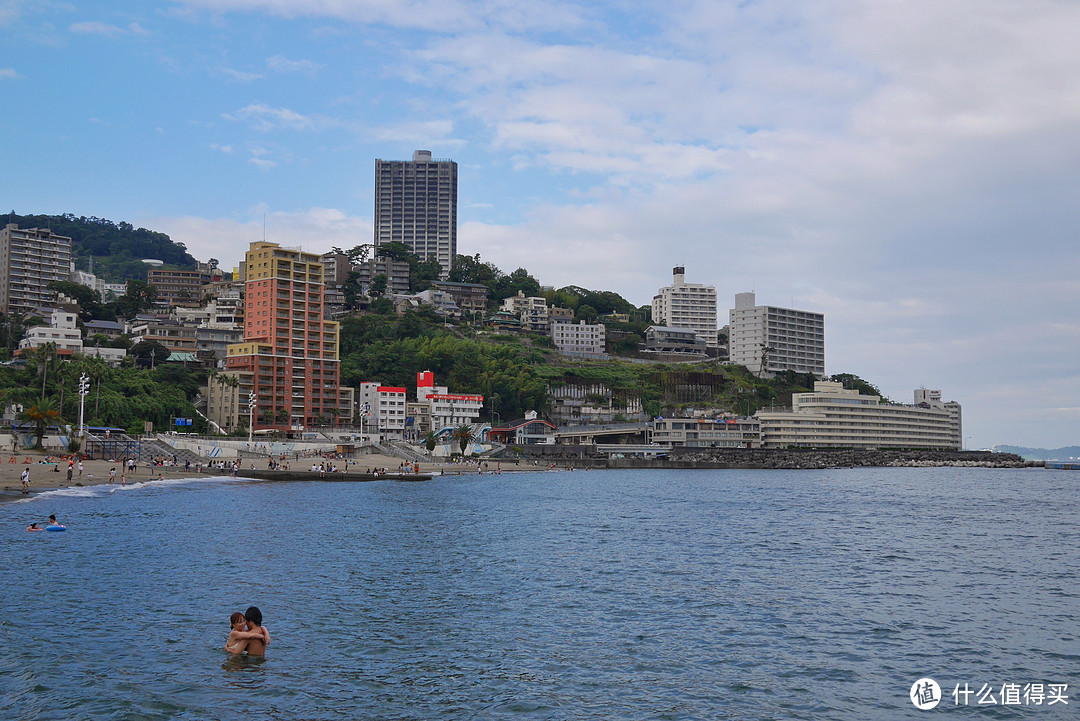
[118, 249]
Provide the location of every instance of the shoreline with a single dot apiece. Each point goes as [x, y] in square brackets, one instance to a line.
[96, 472]
[43, 477]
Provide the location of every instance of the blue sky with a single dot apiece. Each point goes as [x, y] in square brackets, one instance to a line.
[908, 169]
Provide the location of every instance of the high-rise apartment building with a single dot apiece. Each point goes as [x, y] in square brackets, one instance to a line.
[31, 259]
[687, 305]
[767, 339]
[289, 356]
[416, 204]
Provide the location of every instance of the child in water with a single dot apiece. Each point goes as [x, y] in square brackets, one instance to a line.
[239, 635]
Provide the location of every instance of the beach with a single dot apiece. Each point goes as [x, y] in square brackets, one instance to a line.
[50, 475]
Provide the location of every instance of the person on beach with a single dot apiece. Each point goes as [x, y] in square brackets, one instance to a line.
[80, 468]
[112, 475]
[26, 480]
[240, 636]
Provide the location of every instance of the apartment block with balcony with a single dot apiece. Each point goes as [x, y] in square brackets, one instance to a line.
[289, 353]
[416, 204]
[687, 305]
[767, 339]
[181, 287]
[31, 259]
[581, 338]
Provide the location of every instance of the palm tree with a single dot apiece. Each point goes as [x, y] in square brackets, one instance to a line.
[464, 435]
[42, 414]
[430, 441]
[42, 356]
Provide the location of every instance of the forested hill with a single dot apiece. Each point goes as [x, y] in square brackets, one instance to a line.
[118, 249]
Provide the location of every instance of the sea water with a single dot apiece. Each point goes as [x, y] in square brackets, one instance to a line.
[550, 595]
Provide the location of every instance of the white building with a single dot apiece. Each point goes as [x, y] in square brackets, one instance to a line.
[687, 305]
[788, 339]
[531, 310]
[446, 409]
[390, 412]
[579, 338]
[707, 432]
[834, 417]
[61, 331]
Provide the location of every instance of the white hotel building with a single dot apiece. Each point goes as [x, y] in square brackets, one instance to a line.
[447, 409]
[795, 338]
[834, 417]
[687, 305]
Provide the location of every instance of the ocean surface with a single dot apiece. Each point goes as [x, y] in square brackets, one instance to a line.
[549, 595]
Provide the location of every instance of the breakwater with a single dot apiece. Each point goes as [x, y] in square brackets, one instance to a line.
[795, 459]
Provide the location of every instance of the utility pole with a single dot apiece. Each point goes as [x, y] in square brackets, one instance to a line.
[84, 388]
[251, 415]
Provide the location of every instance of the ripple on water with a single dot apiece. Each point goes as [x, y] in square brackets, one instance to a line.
[631, 594]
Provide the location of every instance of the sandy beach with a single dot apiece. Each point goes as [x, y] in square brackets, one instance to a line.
[50, 475]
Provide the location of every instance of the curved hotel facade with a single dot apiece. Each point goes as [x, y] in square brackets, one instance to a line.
[834, 417]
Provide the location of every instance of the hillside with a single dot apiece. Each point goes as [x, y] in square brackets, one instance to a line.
[1041, 454]
[118, 249]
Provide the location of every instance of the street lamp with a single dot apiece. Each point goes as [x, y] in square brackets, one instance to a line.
[251, 415]
[84, 388]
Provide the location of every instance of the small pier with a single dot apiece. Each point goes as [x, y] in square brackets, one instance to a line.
[351, 477]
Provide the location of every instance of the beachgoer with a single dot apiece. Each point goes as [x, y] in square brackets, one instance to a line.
[26, 480]
[240, 637]
[53, 521]
[80, 468]
[34, 527]
[256, 646]
[112, 475]
[71, 469]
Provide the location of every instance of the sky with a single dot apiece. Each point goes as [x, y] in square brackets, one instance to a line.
[909, 169]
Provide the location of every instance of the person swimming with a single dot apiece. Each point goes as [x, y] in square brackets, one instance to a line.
[34, 527]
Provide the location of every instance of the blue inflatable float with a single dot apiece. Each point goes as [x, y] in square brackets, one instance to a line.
[57, 527]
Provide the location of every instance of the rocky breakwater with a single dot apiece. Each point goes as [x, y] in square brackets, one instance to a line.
[823, 458]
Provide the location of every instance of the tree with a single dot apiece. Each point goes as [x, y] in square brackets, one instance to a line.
[378, 286]
[42, 414]
[148, 353]
[43, 357]
[464, 435]
[587, 313]
[430, 441]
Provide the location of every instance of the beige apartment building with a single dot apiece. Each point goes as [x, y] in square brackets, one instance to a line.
[767, 339]
[687, 305]
[31, 259]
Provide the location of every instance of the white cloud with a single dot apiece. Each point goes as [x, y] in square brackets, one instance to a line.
[265, 118]
[423, 132]
[441, 16]
[96, 27]
[8, 73]
[281, 64]
[240, 76]
[227, 239]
